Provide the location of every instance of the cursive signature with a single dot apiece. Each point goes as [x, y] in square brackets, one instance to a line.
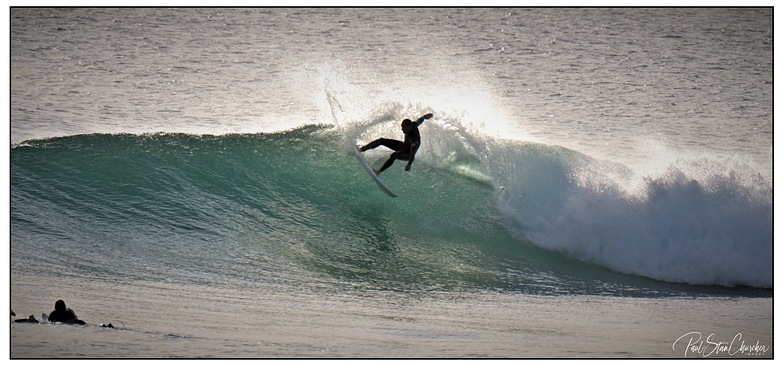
[711, 346]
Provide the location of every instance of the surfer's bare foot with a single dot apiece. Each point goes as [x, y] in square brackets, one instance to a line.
[378, 172]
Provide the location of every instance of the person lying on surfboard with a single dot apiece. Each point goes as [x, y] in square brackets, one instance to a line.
[64, 315]
[404, 150]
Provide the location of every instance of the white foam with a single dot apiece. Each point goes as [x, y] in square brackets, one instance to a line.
[704, 221]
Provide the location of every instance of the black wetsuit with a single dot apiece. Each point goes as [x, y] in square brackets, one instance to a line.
[404, 150]
[62, 314]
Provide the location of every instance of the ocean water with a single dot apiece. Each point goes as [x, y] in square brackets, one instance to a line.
[594, 182]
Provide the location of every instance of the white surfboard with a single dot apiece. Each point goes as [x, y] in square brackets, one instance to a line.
[372, 174]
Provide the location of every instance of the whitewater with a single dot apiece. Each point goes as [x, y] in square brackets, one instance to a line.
[588, 173]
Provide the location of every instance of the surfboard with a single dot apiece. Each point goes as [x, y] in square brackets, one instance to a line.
[372, 174]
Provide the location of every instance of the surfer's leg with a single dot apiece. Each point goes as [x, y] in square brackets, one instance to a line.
[391, 160]
[392, 144]
[387, 164]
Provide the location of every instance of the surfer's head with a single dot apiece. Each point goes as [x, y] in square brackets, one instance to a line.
[59, 305]
[407, 125]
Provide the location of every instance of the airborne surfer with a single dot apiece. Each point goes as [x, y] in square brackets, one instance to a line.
[403, 150]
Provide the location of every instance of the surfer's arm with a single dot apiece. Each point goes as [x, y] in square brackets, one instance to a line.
[423, 118]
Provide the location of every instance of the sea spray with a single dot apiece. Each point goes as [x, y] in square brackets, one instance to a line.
[704, 221]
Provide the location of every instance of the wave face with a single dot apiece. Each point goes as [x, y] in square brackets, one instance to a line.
[293, 206]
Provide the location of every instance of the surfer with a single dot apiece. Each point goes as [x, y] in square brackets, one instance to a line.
[64, 315]
[403, 150]
[31, 319]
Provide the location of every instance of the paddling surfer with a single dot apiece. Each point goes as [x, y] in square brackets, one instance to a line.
[65, 315]
[403, 150]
